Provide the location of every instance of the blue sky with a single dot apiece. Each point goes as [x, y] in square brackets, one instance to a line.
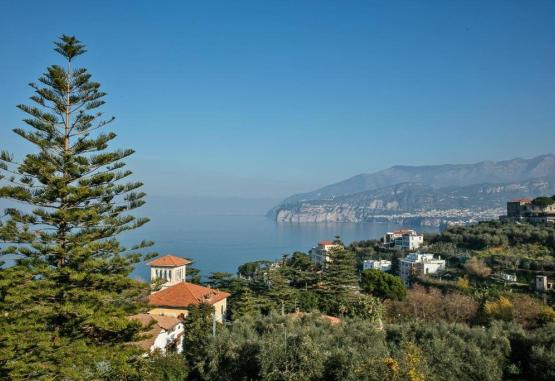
[268, 98]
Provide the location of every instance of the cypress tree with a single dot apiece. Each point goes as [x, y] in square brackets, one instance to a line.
[339, 281]
[340, 273]
[244, 302]
[66, 296]
[283, 296]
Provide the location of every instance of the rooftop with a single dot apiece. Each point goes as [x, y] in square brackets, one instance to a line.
[169, 261]
[421, 257]
[403, 231]
[160, 323]
[326, 243]
[331, 319]
[184, 294]
[522, 200]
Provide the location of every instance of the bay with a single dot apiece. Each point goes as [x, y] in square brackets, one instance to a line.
[221, 237]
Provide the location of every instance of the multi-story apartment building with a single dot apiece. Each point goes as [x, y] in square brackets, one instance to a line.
[417, 263]
[403, 239]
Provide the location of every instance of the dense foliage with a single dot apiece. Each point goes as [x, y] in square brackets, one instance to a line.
[309, 347]
[543, 202]
[495, 233]
[382, 285]
[65, 298]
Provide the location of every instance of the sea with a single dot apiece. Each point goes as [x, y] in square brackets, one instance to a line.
[220, 235]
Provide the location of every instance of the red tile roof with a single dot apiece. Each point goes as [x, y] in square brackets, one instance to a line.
[331, 319]
[403, 231]
[326, 243]
[169, 261]
[161, 323]
[524, 200]
[185, 294]
[165, 322]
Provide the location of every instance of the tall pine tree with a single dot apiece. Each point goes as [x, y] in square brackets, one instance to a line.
[65, 298]
[339, 282]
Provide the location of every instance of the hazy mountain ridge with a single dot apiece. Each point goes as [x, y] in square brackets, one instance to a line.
[418, 190]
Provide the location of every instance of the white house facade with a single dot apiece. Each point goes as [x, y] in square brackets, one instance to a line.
[320, 254]
[165, 334]
[420, 264]
[403, 239]
[372, 264]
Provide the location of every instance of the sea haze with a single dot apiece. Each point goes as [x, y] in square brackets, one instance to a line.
[221, 234]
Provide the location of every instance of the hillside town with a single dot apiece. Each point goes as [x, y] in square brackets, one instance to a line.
[173, 296]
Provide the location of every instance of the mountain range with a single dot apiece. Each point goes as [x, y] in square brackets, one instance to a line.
[450, 190]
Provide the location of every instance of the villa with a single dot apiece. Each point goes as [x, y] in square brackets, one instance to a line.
[417, 263]
[320, 254]
[165, 334]
[403, 239]
[372, 264]
[177, 295]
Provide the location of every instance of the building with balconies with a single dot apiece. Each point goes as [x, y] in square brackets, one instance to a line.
[417, 263]
[403, 239]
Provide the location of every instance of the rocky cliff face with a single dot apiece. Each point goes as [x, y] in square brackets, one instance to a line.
[437, 176]
[406, 201]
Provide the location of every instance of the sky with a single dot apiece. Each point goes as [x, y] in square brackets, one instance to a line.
[262, 99]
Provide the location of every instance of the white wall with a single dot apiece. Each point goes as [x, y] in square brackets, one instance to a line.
[172, 275]
[165, 338]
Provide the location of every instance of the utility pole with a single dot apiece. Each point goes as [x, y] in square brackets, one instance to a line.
[214, 324]
[286, 358]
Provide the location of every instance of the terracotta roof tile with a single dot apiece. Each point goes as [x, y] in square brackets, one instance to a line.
[525, 200]
[161, 323]
[326, 243]
[331, 319]
[185, 294]
[169, 261]
[403, 231]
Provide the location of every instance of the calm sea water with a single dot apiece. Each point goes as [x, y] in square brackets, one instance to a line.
[220, 235]
[217, 242]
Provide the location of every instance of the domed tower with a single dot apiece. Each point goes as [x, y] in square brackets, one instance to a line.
[170, 268]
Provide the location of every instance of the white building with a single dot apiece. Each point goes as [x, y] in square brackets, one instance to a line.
[372, 264]
[403, 239]
[165, 335]
[169, 268]
[419, 264]
[321, 253]
[508, 277]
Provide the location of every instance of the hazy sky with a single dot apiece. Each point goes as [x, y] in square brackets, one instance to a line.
[268, 98]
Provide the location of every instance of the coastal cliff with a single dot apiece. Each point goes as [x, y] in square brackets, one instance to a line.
[446, 194]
